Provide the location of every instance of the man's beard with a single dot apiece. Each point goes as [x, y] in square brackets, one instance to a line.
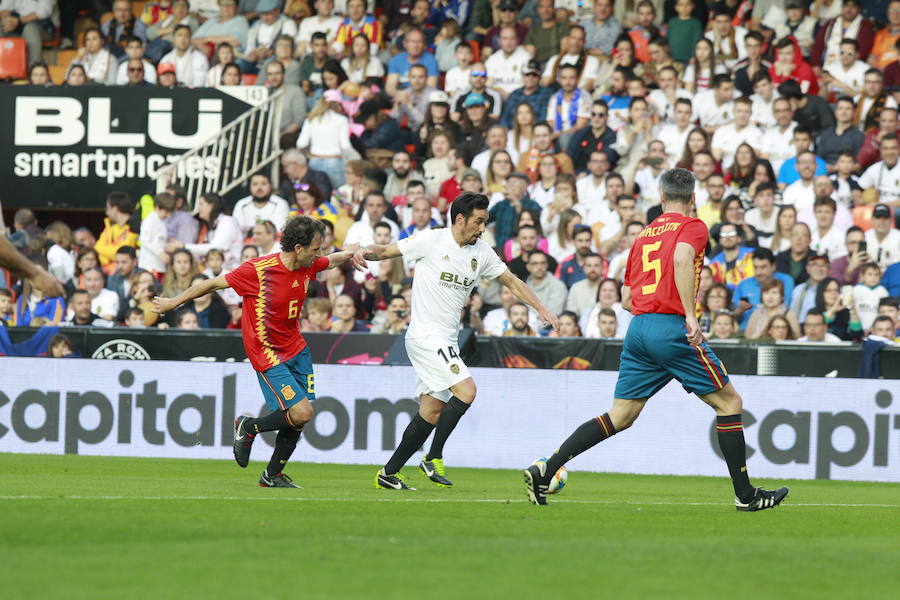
[401, 173]
[264, 198]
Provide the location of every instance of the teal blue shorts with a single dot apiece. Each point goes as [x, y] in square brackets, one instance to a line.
[290, 382]
[656, 351]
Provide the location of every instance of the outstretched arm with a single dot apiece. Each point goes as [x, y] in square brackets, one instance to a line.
[336, 259]
[526, 295]
[163, 305]
[377, 252]
[18, 265]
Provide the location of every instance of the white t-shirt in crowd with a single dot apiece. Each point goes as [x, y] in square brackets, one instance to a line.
[884, 179]
[505, 72]
[674, 141]
[727, 138]
[445, 276]
[776, 145]
[711, 114]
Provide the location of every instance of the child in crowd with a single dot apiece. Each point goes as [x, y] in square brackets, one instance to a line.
[684, 31]
[457, 80]
[215, 261]
[868, 293]
[319, 315]
[446, 43]
[154, 235]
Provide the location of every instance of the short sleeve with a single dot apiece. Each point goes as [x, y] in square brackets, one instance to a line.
[244, 280]
[492, 267]
[416, 246]
[696, 234]
[320, 264]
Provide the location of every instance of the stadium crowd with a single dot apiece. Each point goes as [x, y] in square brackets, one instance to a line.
[564, 113]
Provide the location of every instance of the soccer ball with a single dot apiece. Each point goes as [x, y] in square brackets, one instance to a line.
[559, 479]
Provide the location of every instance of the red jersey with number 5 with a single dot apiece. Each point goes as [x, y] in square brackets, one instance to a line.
[650, 272]
[270, 318]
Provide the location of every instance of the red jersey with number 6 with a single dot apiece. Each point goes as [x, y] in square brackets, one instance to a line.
[270, 318]
[650, 272]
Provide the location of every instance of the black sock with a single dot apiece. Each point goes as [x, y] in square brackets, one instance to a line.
[414, 436]
[587, 436]
[730, 431]
[450, 416]
[285, 442]
[271, 422]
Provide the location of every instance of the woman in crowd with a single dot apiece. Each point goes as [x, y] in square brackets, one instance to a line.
[733, 212]
[697, 141]
[724, 327]
[76, 76]
[543, 190]
[787, 218]
[308, 202]
[144, 288]
[778, 329]
[437, 168]
[33, 305]
[742, 171]
[325, 137]
[762, 173]
[500, 165]
[224, 56]
[217, 230]
[560, 244]
[772, 305]
[39, 74]
[96, 60]
[333, 75]
[210, 309]
[716, 298]
[568, 325]
[249, 252]
[520, 138]
[180, 273]
[841, 320]
[527, 217]
[284, 53]
[437, 119]
[231, 75]
[621, 56]
[360, 65]
[60, 260]
[86, 258]
[609, 295]
[632, 139]
[702, 67]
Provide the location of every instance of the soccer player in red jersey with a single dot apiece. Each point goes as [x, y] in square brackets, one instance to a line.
[273, 288]
[664, 342]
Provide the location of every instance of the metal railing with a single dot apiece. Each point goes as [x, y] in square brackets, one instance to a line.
[227, 159]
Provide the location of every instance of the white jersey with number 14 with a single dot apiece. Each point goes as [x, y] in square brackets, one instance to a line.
[445, 275]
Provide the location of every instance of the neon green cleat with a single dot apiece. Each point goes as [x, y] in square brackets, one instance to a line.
[383, 481]
[435, 471]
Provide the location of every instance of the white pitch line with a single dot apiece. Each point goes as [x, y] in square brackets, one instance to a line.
[424, 500]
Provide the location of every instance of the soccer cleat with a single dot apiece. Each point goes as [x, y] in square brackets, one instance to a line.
[537, 483]
[435, 471]
[762, 500]
[280, 480]
[383, 481]
[243, 441]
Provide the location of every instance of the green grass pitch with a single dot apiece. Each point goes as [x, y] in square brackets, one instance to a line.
[74, 527]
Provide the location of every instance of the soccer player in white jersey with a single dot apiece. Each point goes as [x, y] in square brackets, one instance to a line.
[449, 262]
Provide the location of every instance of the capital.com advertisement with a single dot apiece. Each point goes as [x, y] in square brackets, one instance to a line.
[795, 427]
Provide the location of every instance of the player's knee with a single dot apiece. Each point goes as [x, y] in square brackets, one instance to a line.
[466, 391]
[301, 413]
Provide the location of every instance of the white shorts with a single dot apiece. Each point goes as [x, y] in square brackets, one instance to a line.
[438, 366]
